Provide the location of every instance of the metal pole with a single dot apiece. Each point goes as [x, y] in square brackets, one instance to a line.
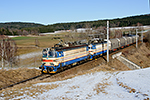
[129, 32]
[142, 36]
[2, 54]
[107, 41]
[136, 38]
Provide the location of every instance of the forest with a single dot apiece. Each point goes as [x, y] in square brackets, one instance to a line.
[25, 28]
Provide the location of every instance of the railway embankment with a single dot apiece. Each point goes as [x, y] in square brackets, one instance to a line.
[135, 58]
[128, 63]
[125, 61]
[139, 56]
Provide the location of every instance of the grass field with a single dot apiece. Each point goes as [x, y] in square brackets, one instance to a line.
[26, 44]
[44, 41]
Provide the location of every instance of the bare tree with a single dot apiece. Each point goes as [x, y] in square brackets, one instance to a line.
[8, 51]
[24, 32]
[118, 34]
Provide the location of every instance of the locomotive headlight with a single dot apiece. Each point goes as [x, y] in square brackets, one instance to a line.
[90, 45]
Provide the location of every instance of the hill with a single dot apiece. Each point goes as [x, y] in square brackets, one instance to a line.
[19, 25]
[20, 28]
[119, 22]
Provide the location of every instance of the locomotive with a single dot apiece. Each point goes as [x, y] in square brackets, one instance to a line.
[58, 57]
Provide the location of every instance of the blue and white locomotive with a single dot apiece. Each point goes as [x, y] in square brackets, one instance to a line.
[55, 58]
[59, 57]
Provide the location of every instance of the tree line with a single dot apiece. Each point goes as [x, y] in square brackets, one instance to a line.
[20, 28]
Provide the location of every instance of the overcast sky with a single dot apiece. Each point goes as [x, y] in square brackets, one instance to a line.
[57, 11]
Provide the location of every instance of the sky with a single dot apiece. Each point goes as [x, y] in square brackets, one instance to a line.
[59, 11]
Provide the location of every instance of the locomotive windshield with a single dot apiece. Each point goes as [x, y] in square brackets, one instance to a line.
[49, 53]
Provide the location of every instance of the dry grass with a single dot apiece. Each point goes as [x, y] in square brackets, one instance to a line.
[139, 56]
[29, 90]
[100, 87]
[11, 76]
[63, 98]
[74, 87]
[116, 65]
[27, 44]
[25, 50]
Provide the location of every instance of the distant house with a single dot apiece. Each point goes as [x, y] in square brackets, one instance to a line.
[61, 31]
[83, 30]
[129, 27]
[43, 34]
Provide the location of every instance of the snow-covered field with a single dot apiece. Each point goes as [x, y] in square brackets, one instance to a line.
[132, 85]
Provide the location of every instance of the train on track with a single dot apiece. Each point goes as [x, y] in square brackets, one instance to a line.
[59, 57]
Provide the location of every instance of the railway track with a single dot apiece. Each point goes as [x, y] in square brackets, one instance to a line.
[29, 79]
[74, 69]
[87, 65]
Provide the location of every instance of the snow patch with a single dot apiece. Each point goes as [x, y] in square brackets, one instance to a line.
[96, 86]
[30, 55]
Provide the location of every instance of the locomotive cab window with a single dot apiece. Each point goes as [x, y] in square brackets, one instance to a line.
[89, 47]
[44, 53]
[52, 54]
[49, 53]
